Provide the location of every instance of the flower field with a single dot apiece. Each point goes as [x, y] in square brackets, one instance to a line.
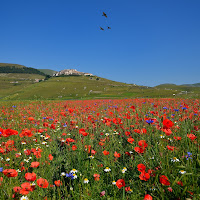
[100, 149]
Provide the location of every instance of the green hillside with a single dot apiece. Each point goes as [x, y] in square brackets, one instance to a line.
[34, 85]
[82, 87]
[15, 68]
[11, 83]
[49, 72]
[190, 90]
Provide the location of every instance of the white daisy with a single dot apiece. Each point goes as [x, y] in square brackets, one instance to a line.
[114, 183]
[73, 171]
[86, 180]
[124, 170]
[175, 159]
[182, 172]
[63, 174]
[24, 198]
[107, 169]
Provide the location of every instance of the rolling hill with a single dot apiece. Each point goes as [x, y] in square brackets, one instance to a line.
[30, 86]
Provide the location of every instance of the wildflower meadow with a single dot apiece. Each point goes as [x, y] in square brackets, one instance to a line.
[140, 149]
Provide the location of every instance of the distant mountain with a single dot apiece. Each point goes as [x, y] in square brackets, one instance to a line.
[68, 72]
[15, 68]
[192, 85]
[173, 86]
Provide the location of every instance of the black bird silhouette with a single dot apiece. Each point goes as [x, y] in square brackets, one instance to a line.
[109, 27]
[104, 14]
[101, 29]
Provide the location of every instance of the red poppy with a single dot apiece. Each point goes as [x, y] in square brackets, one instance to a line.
[117, 155]
[143, 144]
[31, 119]
[26, 132]
[9, 132]
[26, 188]
[106, 152]
[10, 172]
[17, 189]
[30, 176]
[96, 177]
[58, 183]
[35, 164]
[171, 148]
[120, 183]
[70, 140]
[130, 140]
[144, 176]
[180, 183]
[164, 180]
[151, 172]
[127, 189]
[50, 157]
[74, 147]
[139, 150]
[1, 180]
[167, 131]
[177, 138]
[148, 197]
[27, 152]
[43, 183]
[141, 168]
[167, 123]
[191, 136]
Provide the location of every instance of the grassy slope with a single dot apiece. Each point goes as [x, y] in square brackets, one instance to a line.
[180, 90]
[9, 85]
[81, 87]
[47, 71]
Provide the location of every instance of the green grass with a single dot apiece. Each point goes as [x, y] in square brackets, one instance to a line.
[47, 71]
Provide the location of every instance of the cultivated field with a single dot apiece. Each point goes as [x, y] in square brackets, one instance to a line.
[100, 149]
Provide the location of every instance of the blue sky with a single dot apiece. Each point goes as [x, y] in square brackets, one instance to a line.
[150, 42]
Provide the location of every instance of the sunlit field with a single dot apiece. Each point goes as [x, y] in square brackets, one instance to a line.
[140, 149]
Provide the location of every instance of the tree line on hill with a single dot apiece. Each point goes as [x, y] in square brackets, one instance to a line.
[24, 70]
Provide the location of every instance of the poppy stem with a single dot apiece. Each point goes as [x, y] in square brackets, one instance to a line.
[123, 193]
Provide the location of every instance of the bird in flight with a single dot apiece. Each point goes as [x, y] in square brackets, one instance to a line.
[101, 29]
[104, 14]
[109, 27]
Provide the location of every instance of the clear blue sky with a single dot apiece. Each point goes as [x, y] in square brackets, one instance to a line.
[151, 41]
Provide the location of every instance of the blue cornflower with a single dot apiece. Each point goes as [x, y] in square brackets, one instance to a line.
[149, 121]
[184, 108]
[1, 169]
[189, 155]
[176, 110]
[0, 132]
[70, 175]
[65, 125]
[165, 108]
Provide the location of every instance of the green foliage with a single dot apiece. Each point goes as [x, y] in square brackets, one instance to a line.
[24, 70]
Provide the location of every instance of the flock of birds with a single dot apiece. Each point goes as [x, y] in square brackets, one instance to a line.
[108, 27]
